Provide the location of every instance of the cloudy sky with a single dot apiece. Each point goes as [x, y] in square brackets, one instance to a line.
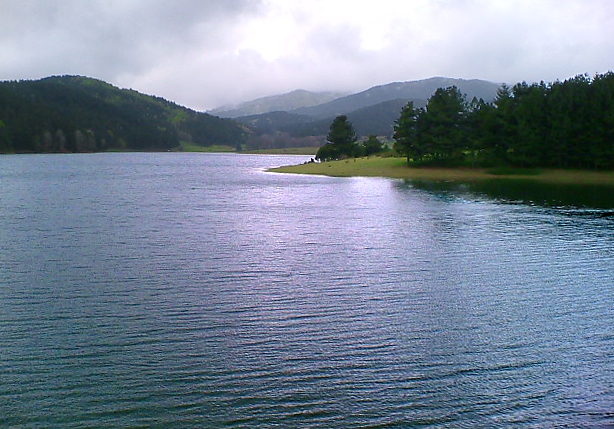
[207, 53]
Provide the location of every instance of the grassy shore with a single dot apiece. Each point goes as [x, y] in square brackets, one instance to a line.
[285, 151]
[397, 168]
[190, 147]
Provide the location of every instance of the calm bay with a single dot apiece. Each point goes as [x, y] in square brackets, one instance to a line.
[198, 290]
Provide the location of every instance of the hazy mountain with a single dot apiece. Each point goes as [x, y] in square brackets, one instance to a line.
[379, 119]
[372, 120]
[372, 112]
[273, 121]
[284, 102]
[414, 90]
[80, 114]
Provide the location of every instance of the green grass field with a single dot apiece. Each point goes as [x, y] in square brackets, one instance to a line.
[285, 151]
[397, 168]
[190, 147]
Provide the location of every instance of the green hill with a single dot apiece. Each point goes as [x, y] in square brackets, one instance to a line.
[80, 114]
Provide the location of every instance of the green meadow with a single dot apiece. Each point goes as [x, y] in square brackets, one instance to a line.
[285, 151]
[191, 147]
[397, 168]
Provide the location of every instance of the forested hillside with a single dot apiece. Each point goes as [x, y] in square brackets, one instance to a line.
[80, 114]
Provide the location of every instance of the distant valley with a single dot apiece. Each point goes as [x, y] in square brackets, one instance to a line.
[372, 112]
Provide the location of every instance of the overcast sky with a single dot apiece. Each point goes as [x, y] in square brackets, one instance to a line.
[207, 53]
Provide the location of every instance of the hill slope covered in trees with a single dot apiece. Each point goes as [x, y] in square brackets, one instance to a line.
[81, 114]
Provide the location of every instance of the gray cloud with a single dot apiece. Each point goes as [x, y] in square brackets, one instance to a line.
[207, 53]
[107, 38]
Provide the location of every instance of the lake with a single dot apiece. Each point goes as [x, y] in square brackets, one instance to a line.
[197, 290]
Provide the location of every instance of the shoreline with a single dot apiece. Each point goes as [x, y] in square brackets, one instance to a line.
[307, 151]
[396, 168]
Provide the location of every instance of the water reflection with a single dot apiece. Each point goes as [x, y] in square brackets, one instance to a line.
[522, 192]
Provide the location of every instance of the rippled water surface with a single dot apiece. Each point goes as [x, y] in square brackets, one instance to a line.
[197, 290]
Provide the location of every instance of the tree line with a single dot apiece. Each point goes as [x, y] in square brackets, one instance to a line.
[342, 142]
[566, 124]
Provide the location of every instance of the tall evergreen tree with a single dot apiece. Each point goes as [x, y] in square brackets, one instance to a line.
[406, 133]
[601, 112]
[341, 140]
[442, 123]
[532, 124]
[480, 120]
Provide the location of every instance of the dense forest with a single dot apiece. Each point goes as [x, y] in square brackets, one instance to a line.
[80, 114]
[566, 124]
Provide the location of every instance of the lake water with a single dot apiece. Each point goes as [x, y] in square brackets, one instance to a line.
[197, 290]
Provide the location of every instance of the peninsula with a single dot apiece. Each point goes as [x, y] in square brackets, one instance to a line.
[397, 168]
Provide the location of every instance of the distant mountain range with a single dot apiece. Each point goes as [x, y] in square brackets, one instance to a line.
[284, 102]
[419, 90]
[372, 112]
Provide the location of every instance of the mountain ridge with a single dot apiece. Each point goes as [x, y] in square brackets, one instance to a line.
[282, 102]
[372, 111]
[410, 90]
[336, 103]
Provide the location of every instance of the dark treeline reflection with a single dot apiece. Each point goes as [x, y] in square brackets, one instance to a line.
[524, 192]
